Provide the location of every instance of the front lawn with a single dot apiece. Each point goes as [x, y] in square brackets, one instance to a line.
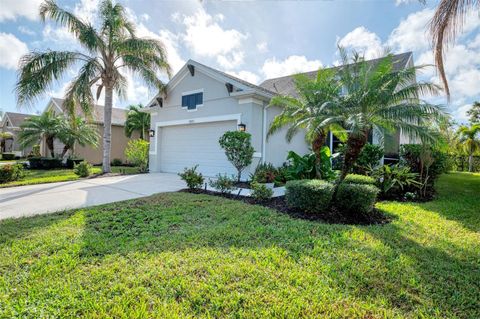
[188, 255]
[40, 176]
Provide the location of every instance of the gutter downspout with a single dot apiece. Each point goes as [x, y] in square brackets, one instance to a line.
[264, 137]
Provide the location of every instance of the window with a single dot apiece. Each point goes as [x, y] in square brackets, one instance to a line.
[191, 101]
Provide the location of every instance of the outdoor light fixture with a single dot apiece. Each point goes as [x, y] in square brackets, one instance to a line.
[151, 133]
[242, 127]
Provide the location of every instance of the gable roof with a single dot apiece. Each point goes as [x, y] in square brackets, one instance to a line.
[119, 116]
[285, 85]
[15, 119]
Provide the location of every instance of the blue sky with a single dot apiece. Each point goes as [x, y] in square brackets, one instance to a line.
[254, 40]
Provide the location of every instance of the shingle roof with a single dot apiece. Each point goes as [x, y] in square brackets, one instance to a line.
[119, 115]
[285, 85]
[16, 119]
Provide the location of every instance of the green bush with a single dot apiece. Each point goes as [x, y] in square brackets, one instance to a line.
[8, 156]
[395, 180]
[11, 172]
[261, 192]
[137, 154]
[223, 183]
[264, 173]
[370, 156]
[117, 162]
[44, 163]
[238, 149]
[35, 151]
[83, 169]
[193, 179]
[72, 162]
[356, 198]
[313, 196]
[301, 167]
[359, 179]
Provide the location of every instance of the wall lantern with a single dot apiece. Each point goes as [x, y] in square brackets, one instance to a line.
[151, 133]
[242, 127]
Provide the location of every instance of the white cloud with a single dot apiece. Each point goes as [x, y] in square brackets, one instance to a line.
[411, 33]
[26, 30]
[11, 9]
[475, 44]
[273, 68]
[466, 83]
[400, 2]
[262, 47]
[363, 41]
[231, 61]
[460, 113]
[87, 10]
[11, 50]
[54, 33]
[246, 76]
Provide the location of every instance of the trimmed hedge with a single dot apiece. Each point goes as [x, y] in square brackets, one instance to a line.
[313, 196]
[11, 172]
[356, 198]
[8, 156]
[45, 163]
[359, 179]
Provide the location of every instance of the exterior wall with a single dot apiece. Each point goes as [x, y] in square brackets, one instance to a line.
[13, 146]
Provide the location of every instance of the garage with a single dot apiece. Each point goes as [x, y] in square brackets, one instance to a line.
[183, 146]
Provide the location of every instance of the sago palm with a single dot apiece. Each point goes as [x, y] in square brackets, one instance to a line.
[108, 48]
[137, 121]
[470, 141]
[75, 131]
[309, 112]
[45, 127]
[379, 98]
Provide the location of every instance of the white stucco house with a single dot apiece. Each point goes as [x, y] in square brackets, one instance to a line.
[201, 103]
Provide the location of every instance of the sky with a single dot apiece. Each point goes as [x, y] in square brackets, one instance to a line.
[253, 40]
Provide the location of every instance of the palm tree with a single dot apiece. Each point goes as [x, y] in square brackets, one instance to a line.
[309, 111]
[137, 121]
[108, 49]
[470, 141]
[445, 25]
[379, 98]
[77, 131]
[46, 127]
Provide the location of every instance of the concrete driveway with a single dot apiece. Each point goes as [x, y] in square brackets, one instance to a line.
[45, 198]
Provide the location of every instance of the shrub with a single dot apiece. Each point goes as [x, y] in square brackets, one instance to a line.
[8, 156]
[117, 162]
[44, 163]
[395, 180]
[300, 167]
[11, 172]
[137, 154]
[193, 179]
[72, 162]
[325, 165]
[356, 198]
[313, 196]
[359, 179]
[265, 173]
[369, 157]
[261, 192]
[83, 169]
[223, 183]
[238, 149]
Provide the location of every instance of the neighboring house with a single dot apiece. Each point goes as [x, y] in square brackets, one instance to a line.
[11, 123]
[201, 103]
[91, 154]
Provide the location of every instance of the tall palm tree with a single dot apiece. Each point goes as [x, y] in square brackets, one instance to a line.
[470, 141]
[108, 48]
[137, 121]
[309, 111]
[379, 98]
[34, 129]
[445, 25]
[77, 131]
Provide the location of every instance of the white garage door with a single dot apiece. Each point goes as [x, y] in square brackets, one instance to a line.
[188, 145]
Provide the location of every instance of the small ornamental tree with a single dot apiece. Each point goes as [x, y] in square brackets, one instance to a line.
[137, 153]
[238, 149]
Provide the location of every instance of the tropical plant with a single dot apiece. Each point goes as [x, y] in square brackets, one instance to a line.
[11, 172]
[474, 113]
[192, 178]
[445, 25]
[325, 165]
[109, 48]
[46, 126]
[300, 167]
[75, 131]
[309, 111]
[137, 121]
[238, 149]
[264, 173]
[380, 98]
[137, 154]
[396, 179]
[470, 141]
[369, 156]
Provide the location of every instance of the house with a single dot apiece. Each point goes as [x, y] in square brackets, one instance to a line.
[91, 154]
[201, 103]
[10, 124]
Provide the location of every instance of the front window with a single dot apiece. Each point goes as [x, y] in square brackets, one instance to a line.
[191, 101]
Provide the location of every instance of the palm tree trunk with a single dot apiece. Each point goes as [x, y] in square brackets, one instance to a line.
[355, 144]
[470, 162]
[49, 142]
[317, 145]
[65, 150]
[107, 129]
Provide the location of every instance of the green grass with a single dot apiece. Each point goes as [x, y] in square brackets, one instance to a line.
[182, 255]
[39, 176]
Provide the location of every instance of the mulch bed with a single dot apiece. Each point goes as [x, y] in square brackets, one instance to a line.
[334, 216]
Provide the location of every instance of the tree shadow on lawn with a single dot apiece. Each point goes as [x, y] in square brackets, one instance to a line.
[365, 262]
